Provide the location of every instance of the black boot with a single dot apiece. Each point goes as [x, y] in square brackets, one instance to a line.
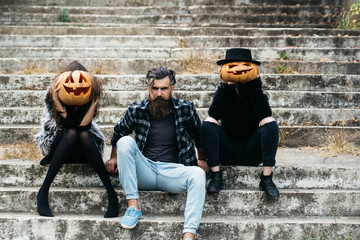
[267, 185]
[216, 182]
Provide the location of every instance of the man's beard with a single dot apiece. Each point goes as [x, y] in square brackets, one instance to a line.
[160, 108]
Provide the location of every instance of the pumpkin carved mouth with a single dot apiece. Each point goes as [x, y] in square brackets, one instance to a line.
[77, 91]
[239, 72]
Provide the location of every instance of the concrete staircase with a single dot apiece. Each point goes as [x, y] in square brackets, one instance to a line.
[310, 70]
[317, 200]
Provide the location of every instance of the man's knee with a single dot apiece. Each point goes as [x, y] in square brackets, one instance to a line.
[124, 144]
[197, 176]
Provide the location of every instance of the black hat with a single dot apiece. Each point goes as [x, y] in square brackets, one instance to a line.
[237, 55]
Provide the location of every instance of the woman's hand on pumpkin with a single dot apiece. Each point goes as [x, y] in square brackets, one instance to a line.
[95, 101]
[231, 83]
[55, 87]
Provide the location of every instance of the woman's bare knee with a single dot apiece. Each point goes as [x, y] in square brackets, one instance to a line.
[212, 120]
[266, 120]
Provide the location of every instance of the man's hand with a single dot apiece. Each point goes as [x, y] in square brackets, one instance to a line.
[111, 166]
[203, 164]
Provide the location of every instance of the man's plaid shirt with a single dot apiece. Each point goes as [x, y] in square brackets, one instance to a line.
[187, 125]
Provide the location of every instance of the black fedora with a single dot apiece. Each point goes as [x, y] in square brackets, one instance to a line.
[237, 55]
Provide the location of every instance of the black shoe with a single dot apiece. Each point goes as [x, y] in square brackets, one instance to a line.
[216, 182]
[43, 204]
[267, 185]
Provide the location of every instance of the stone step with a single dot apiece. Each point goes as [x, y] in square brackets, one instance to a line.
[284, 116]
[86, 41]
[182, 10]
[179, 30]
[195, 64]
[29, 225]
[290, 136]
[170, 18]
[128, 3]
[232, 24]
[196, 82]
[268, 54]
[201, 99]
[295, 169]
[233, 202]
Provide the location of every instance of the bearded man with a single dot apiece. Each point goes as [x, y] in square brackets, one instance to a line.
[162, 156]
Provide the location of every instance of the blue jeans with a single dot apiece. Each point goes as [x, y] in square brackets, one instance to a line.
[138, 172]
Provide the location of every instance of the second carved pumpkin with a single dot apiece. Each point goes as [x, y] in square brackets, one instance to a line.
[242, 72]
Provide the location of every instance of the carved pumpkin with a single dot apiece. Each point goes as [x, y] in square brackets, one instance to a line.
[75, 87]
[242, 72]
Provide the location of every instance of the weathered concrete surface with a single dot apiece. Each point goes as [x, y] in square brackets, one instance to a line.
[116, 3]
[201, 99]
[170, 18]
[292, 136]
[301, 54]
[233, 202]
[174, 41]
[141, 66]
[161, 10]
[58, 28]
[284, 116]
[30, 226]
[296, 169]
[195, 82]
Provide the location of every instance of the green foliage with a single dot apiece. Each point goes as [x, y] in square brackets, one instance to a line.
[351, 19]
[283, 56]
[284, 68]
[64, 15]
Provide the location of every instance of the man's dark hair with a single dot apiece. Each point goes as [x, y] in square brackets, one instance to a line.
[160, 73]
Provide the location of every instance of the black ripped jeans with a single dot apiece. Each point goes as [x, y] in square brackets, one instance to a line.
[260, 148]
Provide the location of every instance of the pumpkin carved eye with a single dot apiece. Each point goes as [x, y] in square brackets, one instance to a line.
[76, 87]
[69, 79]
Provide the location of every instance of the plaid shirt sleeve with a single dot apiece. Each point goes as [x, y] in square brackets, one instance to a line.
[123, 127]
[134, 119]
[193, 125]
[188, 126]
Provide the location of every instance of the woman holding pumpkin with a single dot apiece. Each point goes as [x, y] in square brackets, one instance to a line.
[69, 134]
[247, 135]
